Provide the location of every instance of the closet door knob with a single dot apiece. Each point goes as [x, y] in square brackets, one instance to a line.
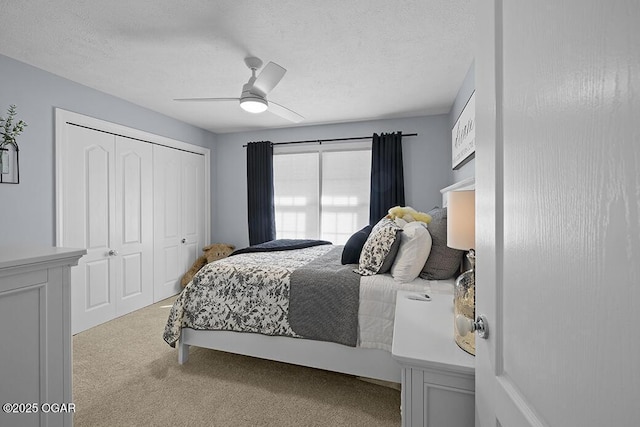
[184, 240]
[113, 253]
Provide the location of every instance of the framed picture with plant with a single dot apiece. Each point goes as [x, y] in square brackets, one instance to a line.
[10, 129]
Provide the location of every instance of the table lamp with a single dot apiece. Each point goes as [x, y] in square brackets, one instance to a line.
[461, 227]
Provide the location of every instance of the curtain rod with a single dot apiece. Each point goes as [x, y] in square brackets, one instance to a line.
[320, 141]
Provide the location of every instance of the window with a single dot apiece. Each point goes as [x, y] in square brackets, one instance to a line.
[322, 193]
[295, 182]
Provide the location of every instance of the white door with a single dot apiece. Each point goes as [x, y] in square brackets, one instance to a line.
[192, 207]
[179, 216]
[558, 213]
[133, 237]
[107, 209]
[89, 222]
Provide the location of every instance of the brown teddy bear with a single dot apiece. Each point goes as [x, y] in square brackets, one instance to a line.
[212, 253]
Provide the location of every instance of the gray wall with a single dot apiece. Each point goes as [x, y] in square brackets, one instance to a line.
[464, 93]
[427, 165]
[27, 210]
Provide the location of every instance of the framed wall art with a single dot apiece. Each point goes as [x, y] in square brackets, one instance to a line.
[463, 134]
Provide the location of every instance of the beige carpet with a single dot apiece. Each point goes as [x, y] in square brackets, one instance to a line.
[124, 374]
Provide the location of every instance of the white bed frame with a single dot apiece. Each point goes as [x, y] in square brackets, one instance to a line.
[363, 362]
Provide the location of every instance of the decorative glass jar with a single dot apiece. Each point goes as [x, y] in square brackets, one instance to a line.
[464, 306]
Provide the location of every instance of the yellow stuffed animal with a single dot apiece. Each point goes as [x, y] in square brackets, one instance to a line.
[212, 253]
[403, 215]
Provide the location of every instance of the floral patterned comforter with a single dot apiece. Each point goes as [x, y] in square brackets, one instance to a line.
[242, 293]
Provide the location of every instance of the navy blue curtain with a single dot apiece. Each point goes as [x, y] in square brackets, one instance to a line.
[387, 175]
[262, 218]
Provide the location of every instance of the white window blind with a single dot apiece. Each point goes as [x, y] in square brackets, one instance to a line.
[296, 194]
[321, 194]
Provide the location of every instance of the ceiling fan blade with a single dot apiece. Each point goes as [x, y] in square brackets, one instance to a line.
[269, 77]
[284, 112]
[206, 99]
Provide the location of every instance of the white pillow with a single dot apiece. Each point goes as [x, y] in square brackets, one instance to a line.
[415, 246]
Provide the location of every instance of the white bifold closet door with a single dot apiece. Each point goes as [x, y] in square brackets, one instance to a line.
[179, 190]
[108, 210]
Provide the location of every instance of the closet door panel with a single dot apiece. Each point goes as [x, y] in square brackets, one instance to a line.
[168, 255]
[169, 172]
[89, 223]
[97, 289]
[179, 216]
[171, 270]
[192, 206]
[132, 176]
[132, 272]
[97, 164]
[134, 224]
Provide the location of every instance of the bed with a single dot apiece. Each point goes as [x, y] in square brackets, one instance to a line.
[241, 305]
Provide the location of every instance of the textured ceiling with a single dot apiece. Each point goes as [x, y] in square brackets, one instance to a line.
[346, 60]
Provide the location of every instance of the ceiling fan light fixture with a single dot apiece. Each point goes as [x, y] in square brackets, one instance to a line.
[254, 105]
[253, 98]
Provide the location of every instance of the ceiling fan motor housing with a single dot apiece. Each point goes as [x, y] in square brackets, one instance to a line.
[253, 63]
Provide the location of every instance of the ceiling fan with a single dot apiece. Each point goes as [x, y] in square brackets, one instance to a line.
[254, 93]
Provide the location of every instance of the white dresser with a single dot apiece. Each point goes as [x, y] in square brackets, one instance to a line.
[438, 384]
[35, 330]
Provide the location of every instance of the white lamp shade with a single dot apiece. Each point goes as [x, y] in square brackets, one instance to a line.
[253, 105]
[461, 220]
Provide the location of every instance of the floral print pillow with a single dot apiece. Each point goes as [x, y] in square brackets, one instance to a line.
[377, 247]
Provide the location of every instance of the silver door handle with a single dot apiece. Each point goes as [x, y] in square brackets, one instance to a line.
[466, 325]
[112, 252]
[184, 240]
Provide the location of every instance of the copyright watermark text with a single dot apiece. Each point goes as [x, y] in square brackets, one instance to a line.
[33, 408]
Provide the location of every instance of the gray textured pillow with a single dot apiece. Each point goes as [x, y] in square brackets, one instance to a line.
[391, 256]
[377, 247]
[443, 262]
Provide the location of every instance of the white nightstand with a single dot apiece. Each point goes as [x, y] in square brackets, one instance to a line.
[438, 384]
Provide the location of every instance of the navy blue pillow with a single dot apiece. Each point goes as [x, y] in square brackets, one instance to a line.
[353, 247]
